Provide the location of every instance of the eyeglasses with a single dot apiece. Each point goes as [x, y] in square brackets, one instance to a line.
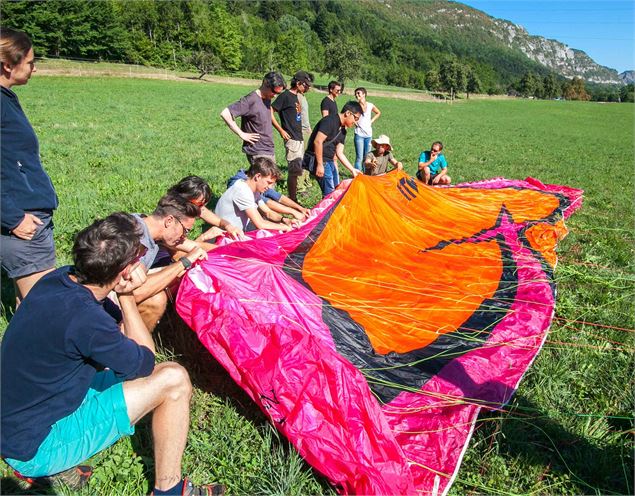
[186, 231]
[355, 116]
[141, 251]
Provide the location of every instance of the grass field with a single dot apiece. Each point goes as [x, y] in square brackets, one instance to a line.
[114, 144]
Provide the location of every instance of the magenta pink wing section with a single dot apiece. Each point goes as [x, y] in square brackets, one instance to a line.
[267, 330]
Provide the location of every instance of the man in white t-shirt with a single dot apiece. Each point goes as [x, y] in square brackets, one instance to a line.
[239, 204]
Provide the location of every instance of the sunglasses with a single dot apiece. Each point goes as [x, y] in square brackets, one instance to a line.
[199, 202]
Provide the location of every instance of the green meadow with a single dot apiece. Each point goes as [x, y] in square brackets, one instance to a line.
[113, 144]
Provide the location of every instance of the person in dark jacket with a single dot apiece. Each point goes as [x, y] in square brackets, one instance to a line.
[28, 195]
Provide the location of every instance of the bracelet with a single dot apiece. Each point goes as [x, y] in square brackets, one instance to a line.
[186, 262]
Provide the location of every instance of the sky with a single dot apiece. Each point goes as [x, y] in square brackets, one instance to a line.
[601, 28]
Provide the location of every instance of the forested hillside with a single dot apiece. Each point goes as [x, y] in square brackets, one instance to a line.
[430, 45]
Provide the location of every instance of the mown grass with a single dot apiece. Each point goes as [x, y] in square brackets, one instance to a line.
[117, 144]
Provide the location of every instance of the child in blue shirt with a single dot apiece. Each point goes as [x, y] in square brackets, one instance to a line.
[433, 168]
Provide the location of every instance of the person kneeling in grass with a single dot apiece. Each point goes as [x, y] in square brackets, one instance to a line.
[167, 227]
[240, 203]
[276, 204]
[90, 375]
[377, 160]
[433, 168]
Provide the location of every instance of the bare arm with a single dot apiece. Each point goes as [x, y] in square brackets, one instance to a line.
[133, 325]
[283, 209]
[288, 202]
[231, 123]
[339, 152]
[214, 220]
[269, 213]
[377, 113]
[318, 149]
[160, 280]
[260, 223]
[325, 113]
[285, 136]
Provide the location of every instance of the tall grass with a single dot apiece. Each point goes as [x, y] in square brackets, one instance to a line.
[117, 144]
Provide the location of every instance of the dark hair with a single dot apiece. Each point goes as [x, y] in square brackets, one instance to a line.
[333, 84]
[273, 80]
[177, 206]
[104, 248]
[265, 167]
[352, 106]
[437, 143]
[363, 90]
[302, 77]
[14, 45]
[192, 188]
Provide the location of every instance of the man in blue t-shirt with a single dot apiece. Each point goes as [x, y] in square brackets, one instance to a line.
[433, 168]
[90, 375]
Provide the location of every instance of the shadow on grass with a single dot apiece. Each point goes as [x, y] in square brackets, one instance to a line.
[541, 441]
[174, 336]
[9, 485]
[7, 293]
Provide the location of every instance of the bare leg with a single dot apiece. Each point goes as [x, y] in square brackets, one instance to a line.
[152, 309]
[24, 284]
[167, 394]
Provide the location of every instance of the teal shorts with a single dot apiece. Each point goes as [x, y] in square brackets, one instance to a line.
[98, 422]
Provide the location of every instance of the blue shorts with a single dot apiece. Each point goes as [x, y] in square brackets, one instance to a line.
[98, 422]
[21, 257]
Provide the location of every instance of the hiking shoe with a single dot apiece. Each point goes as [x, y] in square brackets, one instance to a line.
[190, 489]
[74, 478]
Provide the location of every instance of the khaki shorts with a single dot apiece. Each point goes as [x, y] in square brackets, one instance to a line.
[295, 150]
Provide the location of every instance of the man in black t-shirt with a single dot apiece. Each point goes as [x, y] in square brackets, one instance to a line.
[328, 105]
[327, 141]
[290, 110]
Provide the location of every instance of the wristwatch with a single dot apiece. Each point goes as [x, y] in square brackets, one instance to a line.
[186, 262]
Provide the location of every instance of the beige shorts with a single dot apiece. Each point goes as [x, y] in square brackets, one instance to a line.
[295, 150]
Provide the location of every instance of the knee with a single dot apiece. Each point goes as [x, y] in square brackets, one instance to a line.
[174, 380]
[155, 304]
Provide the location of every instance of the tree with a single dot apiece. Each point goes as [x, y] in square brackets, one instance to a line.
[551, 87]
[343, 60]
[528, 85]
[626, 93]
[473, 83]
[433, 82]
[453, 77]
[575, 90]
[205, 62]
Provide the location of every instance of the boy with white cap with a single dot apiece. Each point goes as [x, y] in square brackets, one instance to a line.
[377, 160]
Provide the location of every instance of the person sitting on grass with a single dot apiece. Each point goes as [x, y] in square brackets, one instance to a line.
[91, 373]
[168, 226]
[433, 168]
[376, 162]
[197, 191]
[276, 204]
[240, 203]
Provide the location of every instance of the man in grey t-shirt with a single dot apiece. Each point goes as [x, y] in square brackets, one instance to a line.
[254, 109]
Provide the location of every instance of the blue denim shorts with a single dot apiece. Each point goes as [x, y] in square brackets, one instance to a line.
[98, 422]
[21, 257]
